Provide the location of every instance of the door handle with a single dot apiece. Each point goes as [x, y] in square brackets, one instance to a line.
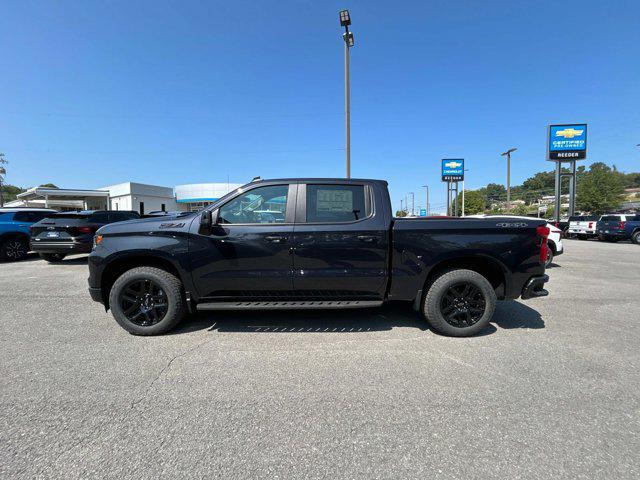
[367, 238]
[275, 238]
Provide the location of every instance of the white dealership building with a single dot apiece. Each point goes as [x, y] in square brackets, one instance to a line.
[140, 197]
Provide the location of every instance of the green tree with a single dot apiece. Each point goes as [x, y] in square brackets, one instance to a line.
[401, 213]
[474, 202]
[600, 190]
[519, 210]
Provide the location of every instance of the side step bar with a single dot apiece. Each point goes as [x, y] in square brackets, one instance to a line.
[294, 305]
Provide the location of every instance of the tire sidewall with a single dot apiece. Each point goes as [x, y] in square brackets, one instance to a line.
[169, 284]
[431, 304]
[635, 238]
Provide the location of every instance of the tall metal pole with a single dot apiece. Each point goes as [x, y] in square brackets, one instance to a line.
[508, 180]
[448, 198]
[463, 198]
[572, 189]
[427, 204]
[556, 210]
[347, 108]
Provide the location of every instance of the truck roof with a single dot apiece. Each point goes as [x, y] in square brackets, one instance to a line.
[313, 179]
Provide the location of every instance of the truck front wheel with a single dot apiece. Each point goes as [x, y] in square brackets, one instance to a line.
[147, 301]
[459, 303]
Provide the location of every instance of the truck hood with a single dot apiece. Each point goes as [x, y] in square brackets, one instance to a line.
[151, 224]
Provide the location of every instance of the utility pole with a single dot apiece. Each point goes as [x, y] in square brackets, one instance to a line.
[427, 204]
[347, 36]
[508, 155]
[413, 203]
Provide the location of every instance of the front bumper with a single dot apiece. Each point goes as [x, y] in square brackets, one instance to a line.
[535, 287]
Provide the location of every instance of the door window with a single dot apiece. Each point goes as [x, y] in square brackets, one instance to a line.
[260, 205]
[336, 203]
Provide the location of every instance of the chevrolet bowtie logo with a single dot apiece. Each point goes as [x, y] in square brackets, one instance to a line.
[569, 133]
[453, 164]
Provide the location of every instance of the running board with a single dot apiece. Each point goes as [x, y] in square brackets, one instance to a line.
[296, 305]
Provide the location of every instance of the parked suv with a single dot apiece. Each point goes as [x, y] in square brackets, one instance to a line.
[619, 226]
[583, 226]
[72, 232]
[14, 230]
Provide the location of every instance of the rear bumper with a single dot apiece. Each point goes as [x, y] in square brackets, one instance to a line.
[613, 233]
[577, 231]
[60, 247]
[535, 287]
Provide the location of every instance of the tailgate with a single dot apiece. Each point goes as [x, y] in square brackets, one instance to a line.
[62, 228]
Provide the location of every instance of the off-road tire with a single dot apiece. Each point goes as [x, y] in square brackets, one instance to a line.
[170, 285]
[432, 303]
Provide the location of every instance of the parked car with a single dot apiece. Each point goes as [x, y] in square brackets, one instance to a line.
[563, 225]
[14, 230]
[72, 232]
[583, 226]
[619, 226]
[314, 244]
[554, 241]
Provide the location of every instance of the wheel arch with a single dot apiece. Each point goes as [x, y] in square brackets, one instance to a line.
[118, 266]
[10, 235]
[493, 270]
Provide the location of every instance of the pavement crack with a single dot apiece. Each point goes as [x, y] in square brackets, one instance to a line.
[163, 370]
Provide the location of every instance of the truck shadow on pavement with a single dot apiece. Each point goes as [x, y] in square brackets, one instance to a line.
[508, 315]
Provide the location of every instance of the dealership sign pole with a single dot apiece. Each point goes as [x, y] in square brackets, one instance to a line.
[566, 143]
[452, 173]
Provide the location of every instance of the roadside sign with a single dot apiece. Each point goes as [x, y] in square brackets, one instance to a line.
[567, 142]
[423, 212]
[452, 169]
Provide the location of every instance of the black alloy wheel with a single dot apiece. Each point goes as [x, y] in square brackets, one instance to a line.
[15, 249]
[462, 305]
[143, 302]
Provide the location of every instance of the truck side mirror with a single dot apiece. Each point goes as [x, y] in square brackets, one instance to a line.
[206, 222]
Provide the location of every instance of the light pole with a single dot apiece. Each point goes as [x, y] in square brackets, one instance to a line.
[427, 204]
[347, 36]
[508, 155]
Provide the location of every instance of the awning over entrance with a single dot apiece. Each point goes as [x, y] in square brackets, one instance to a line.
[63, 197]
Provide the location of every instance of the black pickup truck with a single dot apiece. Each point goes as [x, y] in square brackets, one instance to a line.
[314, 244]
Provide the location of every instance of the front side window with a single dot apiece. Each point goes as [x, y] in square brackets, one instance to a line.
[259, 205]
[335, 203]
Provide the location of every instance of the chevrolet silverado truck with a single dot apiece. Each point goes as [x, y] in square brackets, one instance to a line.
[314, 244]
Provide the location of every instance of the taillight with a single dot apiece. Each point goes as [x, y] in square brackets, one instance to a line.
[543, 232]
[557, 225]
[590, 225]
[621, 225]
[86, 229]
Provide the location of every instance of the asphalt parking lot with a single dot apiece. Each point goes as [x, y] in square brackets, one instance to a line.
[550, 390]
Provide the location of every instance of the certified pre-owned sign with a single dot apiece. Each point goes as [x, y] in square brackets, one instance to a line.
[452, 169]
[568, 142]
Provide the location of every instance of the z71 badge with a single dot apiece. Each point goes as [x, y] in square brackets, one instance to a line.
[172, 225]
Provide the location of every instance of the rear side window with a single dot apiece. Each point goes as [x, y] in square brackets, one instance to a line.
[336, 203]
[611, 218]
[30, 216]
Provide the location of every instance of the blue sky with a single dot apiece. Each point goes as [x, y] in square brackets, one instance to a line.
[94, 93]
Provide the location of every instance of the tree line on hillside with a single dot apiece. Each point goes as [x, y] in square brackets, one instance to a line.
[600, 189]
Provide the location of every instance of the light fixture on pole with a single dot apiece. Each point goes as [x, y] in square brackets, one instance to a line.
[347, 36]
[508, 155]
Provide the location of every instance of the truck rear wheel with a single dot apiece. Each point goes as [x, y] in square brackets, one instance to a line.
[635, 238]
[147, 301]
[459, 303]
